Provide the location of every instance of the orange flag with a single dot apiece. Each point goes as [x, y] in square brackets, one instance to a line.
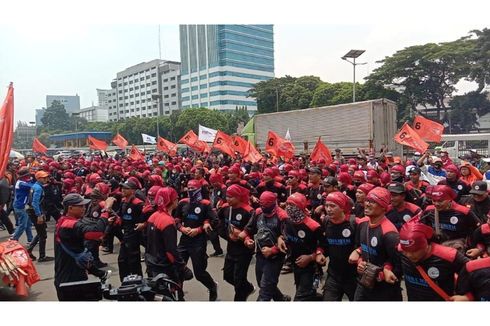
[321, 151]
[239, 145]
[120, 141]
[166, 146]
[6, 129]
[135, 154]
[191, 140]
[427, 129]
[224, 143]
[38, 147]
[97, 144]
[407, 136]
[278, 146]
[252, 154]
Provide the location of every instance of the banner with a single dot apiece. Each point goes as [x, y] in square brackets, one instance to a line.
[147, 139]
[407, 136]
[278, 146]
[191, 140]
[321, 151]
[239, 145]
[252, 154]
[166, 146]
[135, 154]
[427, 129]
[120, 141]
[6, 129]
[98, 144]
[224, 143]
[288, 135]
[38, 147]
[207, 134]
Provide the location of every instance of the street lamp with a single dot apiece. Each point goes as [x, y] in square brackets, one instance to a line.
[157, 97]
[353, 54]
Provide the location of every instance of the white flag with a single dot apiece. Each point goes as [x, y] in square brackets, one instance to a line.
[147, 139]
[207, 134]
[288, 135]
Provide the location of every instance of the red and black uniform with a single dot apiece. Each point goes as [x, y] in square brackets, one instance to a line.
[474, 280]
[337, 244]
[275, 187]
[399, 216]
[218, 198]
[458, 222]
[440, 264]
[479, 208]
[416, 192]
[421, 185]
[481, 238]
[195, 215]
[314, 194]
[303, 239]
[161, 247]
[379, 246]
[301, 188]
[129, 259]
[358, 210]
[94, 214]
[267, 270]
[238, 256]
[72, 232]
[460, 187]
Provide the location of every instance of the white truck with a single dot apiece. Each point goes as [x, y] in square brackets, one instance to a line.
[367, 125]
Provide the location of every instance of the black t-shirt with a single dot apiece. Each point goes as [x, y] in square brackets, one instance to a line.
[238, 217]
[440, 266]
[302, 238]
[194, 215]
[474, 278]
[400, 216]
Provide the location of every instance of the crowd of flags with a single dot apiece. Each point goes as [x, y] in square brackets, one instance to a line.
[415, 136]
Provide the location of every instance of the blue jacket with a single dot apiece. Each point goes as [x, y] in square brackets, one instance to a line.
[22, 190]
[37, 195]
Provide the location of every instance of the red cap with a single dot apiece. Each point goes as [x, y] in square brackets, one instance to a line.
[359, 175]
[452, 168]
[366, 187]
[340, 200]
[215, 178]
[156, 180]
[344, 168]
[298, 200]
[293, 173]
[153, 190]
[442, 192]
[267, 198]
[235, 170]
[381, 196]
[268, 172]
[194, 184]
[238, 192]
[345, 178]
[415, 236]
[372, 174]
[398, 168]
[103, 188]
[164, 197]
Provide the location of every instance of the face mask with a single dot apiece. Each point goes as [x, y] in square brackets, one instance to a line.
[269, 210]
[295, 214]
[195, 195]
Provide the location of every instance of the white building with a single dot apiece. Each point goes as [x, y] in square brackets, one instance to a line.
[95, 114]
[71, 102]
[102, 96]
[147, 89]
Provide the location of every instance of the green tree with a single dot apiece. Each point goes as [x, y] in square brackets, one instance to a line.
[55, 117]
[480, 68]
[466, 109]
[191, 118]
[269, 94]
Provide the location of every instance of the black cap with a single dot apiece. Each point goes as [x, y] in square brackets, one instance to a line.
[479, 188]
[130, 185]
[396, 187]
[332, 181]
[315, 170]
[338, 150]
[415, 169]
[74, 200]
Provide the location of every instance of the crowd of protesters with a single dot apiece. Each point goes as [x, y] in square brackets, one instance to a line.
[347, 228]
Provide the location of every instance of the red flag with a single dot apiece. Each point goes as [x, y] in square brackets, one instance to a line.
[38, 147]
[252, 154]
[97, 144]
[407, 136]
[239, 145]
[6, 129]
[427, 129]
[135, 154]
[120, 141]
[278, 146]
[191, 140]
[321, 151]
[224, 143]
[166, 146]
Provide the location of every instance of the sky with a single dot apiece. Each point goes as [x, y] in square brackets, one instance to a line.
[68, 58]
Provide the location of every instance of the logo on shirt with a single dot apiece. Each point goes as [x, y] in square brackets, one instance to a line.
[129, 210]
[460, 187]
[433, 272]
[197, 210]
[453, 220]
[346, 233]
[301, 234]
[374, 241]
[319, 196]
[95, 214]
[406, 217]
[238, 217]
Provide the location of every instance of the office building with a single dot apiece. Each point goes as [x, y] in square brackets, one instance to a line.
[95, 113]
[221, 63]
[71, 102]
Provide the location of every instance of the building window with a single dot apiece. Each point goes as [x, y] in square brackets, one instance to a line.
[174, 94]
[154, 90]
[167, 104]
[136, 87]
[125, 83]
[172, 78]
[165, 80]
[148, 84]
[131, 96]
[166, 96]
[167, 112]
[154, 82]
[142, 78]
[154, 75]
[173, 103]
[173, 86]
[148, 77]
[165, 88]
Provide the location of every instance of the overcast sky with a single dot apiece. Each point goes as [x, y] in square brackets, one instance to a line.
[77, 58]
